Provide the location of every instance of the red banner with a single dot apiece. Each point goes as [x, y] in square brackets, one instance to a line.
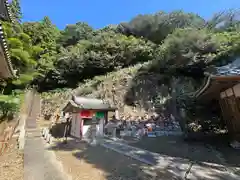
[86, 114]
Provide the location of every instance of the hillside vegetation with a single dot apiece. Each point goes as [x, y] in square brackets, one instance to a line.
[134, 65]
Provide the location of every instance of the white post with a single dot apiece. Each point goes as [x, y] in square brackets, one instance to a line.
[93, 138]
[114, 132]
[117, 114]
[100, 128]
[46, 133]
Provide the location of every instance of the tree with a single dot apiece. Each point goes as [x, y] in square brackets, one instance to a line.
[44, 36]
[9, 104]
[74, 33]
[156, 27]
[16, 10]
[23, 56]
[104, 52]
[42, 33]
[228, 20]
[192, 50]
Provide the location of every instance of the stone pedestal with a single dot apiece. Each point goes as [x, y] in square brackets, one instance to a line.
[51, 139]
[99, 128]
[114, 132]
[46, 133]
[48, 138]
[92, 138]
[94, 142]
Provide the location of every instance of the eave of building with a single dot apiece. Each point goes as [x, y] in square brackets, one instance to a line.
[87, 104]
[7, 16]
[6, 69]
[214, 85]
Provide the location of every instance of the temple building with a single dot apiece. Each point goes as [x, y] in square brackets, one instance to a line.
[223, 85]
[6, 69]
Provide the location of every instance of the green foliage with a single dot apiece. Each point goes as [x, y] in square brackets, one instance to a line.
[21, 52]
[25, 79]
[16, 10]
[50, 58]
[74, 33]
[156, 27]
[65, 58]
[102, 53]
[9, 104]
[225, 21]
[187, 46]
[148, 51]
[15, 43]
[43, 33]
[198, 49]
[44, 37]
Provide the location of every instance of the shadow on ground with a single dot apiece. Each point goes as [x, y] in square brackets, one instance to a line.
[196, 151]
[112, 164]
[117, 166]
[57, 130]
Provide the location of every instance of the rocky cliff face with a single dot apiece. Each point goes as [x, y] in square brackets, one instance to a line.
[53, 101]
[134, 90]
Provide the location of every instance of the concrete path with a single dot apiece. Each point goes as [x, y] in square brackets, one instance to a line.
[39, 164]
[178, 167]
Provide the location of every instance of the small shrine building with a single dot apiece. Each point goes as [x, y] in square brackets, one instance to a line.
[87, 114]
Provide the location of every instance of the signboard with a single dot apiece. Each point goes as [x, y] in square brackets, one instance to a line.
[86, 114]
[90, 114]
[100, 115]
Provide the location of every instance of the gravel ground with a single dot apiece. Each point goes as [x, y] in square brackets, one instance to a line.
[11, 163]
[85, 162]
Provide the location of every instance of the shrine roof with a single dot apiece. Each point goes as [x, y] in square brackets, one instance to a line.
[82, 103]
[220, 79]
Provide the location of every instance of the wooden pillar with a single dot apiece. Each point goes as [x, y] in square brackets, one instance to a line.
[236, 114]
[228, 115]
[221, 103]
[81, 127]
[106, 118]
[236, 99]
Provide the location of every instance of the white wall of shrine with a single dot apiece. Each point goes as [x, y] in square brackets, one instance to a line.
[76, 127]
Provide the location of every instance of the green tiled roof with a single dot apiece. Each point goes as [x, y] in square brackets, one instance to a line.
[87, 103]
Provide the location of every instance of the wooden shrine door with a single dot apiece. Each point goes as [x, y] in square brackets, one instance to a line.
[234, 114]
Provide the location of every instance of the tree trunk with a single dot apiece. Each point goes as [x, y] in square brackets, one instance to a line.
[179, 117]
[174, 96]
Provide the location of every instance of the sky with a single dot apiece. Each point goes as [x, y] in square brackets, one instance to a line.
[100, 13]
